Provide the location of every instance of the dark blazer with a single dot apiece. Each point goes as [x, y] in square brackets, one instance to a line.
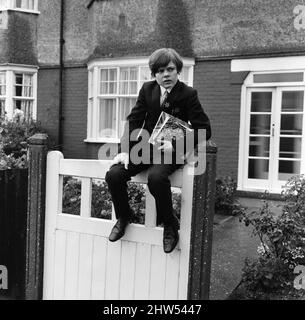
[182, 101]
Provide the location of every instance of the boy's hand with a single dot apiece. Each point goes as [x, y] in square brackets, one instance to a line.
[166, 146]
[121, 158]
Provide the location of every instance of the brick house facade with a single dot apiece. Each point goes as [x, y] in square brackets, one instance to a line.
[245, 58]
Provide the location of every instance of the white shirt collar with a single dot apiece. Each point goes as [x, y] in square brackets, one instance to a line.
[163, 90]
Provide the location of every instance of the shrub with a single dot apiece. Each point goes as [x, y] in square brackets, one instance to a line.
[13, 143]
[282, 241]
[225, 196]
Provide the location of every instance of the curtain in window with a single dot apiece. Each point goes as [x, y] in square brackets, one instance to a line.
[125, 106]
[27, 86]
[2, 108]
[2, 84]
[107, 118]
[3, 4]
[124, 80]
[24, 4]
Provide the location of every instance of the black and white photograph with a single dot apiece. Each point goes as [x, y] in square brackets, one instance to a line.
[152, 153]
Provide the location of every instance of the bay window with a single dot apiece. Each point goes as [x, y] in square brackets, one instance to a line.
[18, 90]
[20, 5]
[113, 89]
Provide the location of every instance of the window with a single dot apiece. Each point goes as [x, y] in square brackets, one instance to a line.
[113, 89]
[272, 138]
[18, 90]
[2, 93]
[21, 5]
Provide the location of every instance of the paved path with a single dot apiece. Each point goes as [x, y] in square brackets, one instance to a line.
[232, 243]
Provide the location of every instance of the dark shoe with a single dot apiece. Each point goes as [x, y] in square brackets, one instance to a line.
[118, 230]
[170, 236]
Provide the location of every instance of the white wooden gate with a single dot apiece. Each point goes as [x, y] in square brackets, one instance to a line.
[81, 263]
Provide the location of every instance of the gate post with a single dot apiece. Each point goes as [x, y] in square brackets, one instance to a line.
[202, 227]
[38, 148]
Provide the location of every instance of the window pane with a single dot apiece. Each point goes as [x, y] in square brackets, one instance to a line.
[125, 105]
[107, 118]
[18, 91]
[2, 78]
[104, 74]
[108, 81]
[288, 168]
[133, 87]
[112, 87]
[133, 74]
[2, 84]
[2, 90]
[112, 75]
[104, 88]
[292, 101]
[124, 80]
[18, 3]
[260, 124]
[290, 147]
[184, 75]
[90, 86]
[261, 101]
[18, 78]
[26, 106]
[23, 85]
[258, 169]
[91, 118]
[145, 74]
[2, 108]
[291, 124]
[27, 80]
[259, 147]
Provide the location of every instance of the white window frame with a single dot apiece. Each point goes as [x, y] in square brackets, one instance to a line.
[11, 5]
[263, 66]
[93, 86]
[9, 97]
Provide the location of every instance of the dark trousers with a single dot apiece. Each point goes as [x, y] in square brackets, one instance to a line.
[158, 184]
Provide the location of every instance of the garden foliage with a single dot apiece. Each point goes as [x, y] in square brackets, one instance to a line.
[282, 241]
[101, 204]
[13, 143]
[225, 196]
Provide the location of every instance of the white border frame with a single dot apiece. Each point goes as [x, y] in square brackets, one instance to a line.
[94, 66]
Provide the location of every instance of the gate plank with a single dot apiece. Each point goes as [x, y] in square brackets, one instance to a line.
[127, 270]
[142, 271]
[113, 270]
[157, 274]
[59, 266]
[72, 264]
[99, 268]
[172, 275]
[85, 269]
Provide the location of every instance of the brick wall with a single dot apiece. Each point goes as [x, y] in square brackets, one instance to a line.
[75, 112]
[221, 101]
[48, 100]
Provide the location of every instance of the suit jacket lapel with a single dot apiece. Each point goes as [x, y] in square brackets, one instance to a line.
[155, 96]
[174, 94]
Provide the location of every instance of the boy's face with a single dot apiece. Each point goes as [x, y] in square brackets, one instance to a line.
[167, 76]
